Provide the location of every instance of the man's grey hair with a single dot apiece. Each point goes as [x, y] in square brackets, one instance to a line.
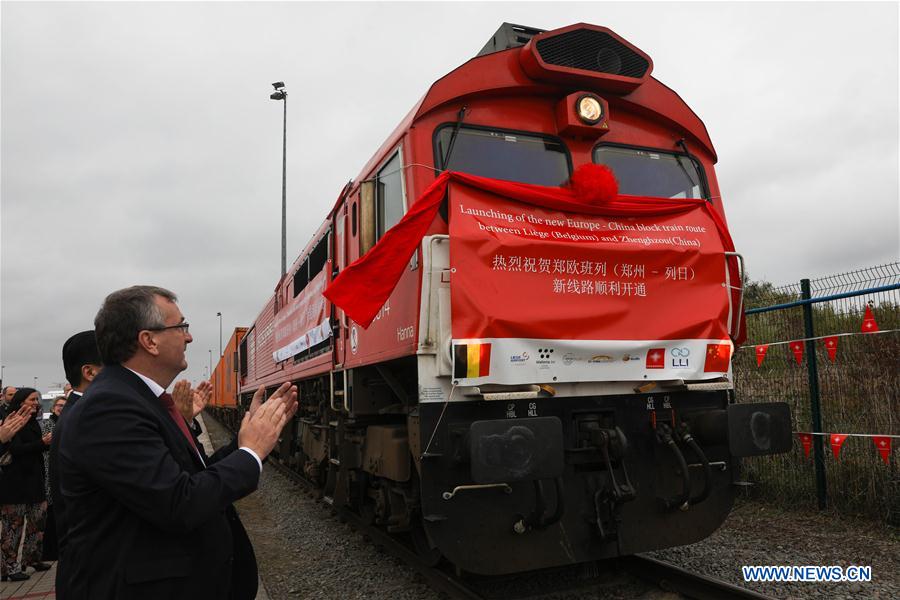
[124, 314]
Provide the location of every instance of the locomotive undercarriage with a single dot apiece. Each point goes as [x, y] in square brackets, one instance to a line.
[505, 486]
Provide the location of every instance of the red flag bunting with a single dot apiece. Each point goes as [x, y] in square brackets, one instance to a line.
[806, 440]
[883, 444]
[837, 440]
[797, 349]
[831, 344]
[761, 354]
[869, 325]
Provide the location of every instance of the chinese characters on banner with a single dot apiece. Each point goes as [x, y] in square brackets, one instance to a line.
[564, 296]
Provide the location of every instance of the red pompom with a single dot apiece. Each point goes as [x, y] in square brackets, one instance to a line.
[594, 184]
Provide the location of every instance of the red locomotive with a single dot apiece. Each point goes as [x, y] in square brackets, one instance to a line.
[547, 378]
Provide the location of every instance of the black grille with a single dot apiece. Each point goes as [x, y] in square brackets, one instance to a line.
[591, 50]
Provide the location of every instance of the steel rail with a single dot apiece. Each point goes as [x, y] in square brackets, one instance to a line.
[692, 585]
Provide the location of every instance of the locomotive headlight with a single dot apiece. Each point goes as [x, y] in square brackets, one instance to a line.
[589, 109]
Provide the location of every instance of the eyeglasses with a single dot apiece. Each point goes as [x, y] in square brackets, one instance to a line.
[184, 327]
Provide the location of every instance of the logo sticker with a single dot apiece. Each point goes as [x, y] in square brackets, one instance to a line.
[656, 358]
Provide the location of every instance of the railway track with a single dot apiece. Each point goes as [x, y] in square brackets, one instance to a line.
[621, 572]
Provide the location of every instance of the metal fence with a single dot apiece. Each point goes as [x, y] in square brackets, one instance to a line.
[857, 393]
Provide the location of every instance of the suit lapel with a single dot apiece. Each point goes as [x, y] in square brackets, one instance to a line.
[174, 437]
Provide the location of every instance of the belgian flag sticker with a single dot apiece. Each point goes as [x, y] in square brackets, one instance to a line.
[471, 360]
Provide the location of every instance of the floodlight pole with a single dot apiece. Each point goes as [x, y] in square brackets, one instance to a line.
[219, 314]
[280, 94]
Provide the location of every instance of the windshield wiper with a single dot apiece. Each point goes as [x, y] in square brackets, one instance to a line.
[445, 161]
[681, 164]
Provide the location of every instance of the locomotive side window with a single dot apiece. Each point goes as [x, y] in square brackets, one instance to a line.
[652, 173]
[502, 155]
[389, 195]
[301, 277]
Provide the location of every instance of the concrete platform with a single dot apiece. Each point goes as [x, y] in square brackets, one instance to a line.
[42, 585]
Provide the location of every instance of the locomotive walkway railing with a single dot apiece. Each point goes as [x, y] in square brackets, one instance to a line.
[854, 393]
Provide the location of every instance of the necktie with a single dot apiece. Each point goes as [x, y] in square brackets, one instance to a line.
[169, 404]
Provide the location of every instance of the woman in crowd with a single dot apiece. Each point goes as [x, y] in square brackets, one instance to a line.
[22, 495]
[51, 549]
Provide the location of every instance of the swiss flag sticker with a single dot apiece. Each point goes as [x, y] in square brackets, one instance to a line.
[656, 358]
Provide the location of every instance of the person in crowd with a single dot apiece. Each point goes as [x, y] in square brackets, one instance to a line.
[47, 426]
[11, 424]
[5, 398]
[151, 514]
[81, 363]
[67, 389]
[22, 496]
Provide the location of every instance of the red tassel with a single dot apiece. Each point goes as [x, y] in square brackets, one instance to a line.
[806, 440]
[594, 184]
[883, 444]
[831, 343]
[797, 349]
[869, 325]
[837, 440]
[761, 354]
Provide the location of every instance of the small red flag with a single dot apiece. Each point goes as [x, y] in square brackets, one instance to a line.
[761, 354]
[806, 440]
[831, 346]
[837, 440]
[797, 349]
[869, 325]
[656, 358]
[717, 358]
[883, 444]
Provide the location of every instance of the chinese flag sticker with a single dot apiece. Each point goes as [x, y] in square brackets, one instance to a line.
[883, 444]
[761, 354]
[656, 358]
[806, 440]
[869, 325]
[797, 349]
[837, 440]
[717, 357]
[831, 346]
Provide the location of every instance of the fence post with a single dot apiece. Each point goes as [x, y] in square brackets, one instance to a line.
[813, 375]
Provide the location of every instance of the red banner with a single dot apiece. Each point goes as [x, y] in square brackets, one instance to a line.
[831, 346]
[302, 323]
[837, 440]
[806, 440]
[883, 444]
[646, 295]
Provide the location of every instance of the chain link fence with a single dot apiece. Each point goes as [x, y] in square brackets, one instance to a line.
[857, 391]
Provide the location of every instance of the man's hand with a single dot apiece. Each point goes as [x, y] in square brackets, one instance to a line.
[13, 423]
[191, 403]
[261, 427]
[47, 438]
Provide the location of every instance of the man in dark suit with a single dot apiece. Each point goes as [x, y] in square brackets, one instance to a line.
[149, 515]
[81, 363]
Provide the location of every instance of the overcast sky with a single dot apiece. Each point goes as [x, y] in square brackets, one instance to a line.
[139, 144]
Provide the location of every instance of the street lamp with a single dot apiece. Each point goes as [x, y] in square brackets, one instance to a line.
[218, 314]
[35, 383]
[280, 94]
[210, 362]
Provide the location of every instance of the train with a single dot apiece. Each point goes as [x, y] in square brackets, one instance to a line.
[542, 375]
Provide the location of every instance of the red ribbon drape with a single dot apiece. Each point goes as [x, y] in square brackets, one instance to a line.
[365, 285]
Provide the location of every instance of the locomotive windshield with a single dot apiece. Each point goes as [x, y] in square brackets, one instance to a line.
[651, 173]
[503, 155]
